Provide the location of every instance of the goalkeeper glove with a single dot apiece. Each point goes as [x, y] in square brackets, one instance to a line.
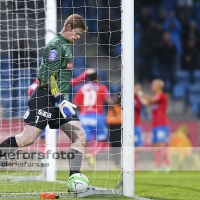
[66, 108]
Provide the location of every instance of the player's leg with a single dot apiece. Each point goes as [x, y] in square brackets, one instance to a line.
[36, 117]
[89, 144]
[160, 139]
[99, 130]
[35, 121]
[89, 124]
[76, 133]
[101, 133]
[157, 152]
[164, 146]
[138, 141]
[27, 137]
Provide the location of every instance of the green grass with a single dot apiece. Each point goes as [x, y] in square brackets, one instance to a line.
[161, 186]
[169, 186]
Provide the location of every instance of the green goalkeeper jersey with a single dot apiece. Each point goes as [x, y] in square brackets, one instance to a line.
[56, 67]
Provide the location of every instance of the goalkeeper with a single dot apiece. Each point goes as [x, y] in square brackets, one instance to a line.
[49, 102]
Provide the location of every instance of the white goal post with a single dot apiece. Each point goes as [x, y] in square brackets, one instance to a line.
[128, 96]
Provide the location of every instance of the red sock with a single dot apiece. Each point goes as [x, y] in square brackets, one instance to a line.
[98, 146]
[88, 147]
[157, 155]
[165, 156]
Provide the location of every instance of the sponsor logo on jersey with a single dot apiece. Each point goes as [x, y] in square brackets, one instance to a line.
[26, 114]
[67, 54]
[44, 113]
[69, 65]
[52, 55]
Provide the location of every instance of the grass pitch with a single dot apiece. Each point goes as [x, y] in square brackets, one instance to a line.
[159, 186]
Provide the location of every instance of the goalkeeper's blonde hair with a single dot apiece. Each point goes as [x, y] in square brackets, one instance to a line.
[76, 21]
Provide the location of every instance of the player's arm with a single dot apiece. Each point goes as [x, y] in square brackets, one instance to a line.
[78, 99]
[79, 79]
[109, 101]
[32, 87]
[146, 99]
[143, 101]
[52, 60]
[137, 106]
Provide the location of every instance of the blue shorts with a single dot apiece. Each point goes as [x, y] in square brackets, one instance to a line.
[138, 136]
[94, 126]
[42, 135]
[160, 134]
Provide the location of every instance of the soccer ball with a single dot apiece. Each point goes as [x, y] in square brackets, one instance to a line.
[78, 183]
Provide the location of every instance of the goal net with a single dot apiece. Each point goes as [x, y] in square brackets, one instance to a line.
[24, 32]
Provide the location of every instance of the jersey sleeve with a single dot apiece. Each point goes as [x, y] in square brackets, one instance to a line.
[32, 87]
[78, 99]
[78, 79]
[137, 104]
[158, 98]
[52, 62]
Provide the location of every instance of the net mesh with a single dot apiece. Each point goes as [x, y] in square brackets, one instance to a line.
[22, 42]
